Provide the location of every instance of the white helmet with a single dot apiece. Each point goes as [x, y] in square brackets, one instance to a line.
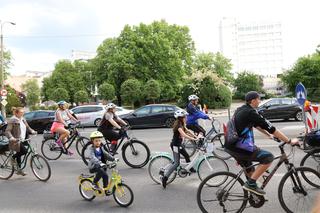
[180, 113]
[110, 106]
[193, 97]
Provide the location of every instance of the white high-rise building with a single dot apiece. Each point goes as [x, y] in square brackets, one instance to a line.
[255, 47]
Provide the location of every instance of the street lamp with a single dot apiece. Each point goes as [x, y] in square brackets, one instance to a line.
[2, 61]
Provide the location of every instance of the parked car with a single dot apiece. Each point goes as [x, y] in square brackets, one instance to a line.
[153, 115]
[281, 108]
[91, 115]
[40, 120]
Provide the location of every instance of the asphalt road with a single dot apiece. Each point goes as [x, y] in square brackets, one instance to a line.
[61, 194]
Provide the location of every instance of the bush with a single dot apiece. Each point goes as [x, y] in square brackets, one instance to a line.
[246, 82]
[81, 96]
[131, 91]
[59, 94]
[152, 90]
[106, 91]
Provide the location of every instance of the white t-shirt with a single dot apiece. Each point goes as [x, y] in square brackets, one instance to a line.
[23, 129]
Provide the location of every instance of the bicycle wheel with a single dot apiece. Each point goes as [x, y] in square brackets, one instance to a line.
[86, 190]
[40, 167]
[218, 150]
[50, 149]
[6, 167]
[80, 143]
[135, 153]
[312, 160]
[295, 193]
[123, 195]
[85, 153]
[229, 196]
[211, 165]
[157, 163]
[190, 146]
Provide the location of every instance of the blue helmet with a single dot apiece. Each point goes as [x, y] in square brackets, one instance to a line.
[61, 103]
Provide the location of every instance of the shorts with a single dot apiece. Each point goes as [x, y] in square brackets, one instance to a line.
[55, 126]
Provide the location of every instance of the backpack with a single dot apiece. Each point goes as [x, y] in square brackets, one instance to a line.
[231, 134]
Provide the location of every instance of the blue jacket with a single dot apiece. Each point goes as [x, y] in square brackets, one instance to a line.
[194, 114]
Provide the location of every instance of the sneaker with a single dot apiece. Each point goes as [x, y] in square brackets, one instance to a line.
[253, 188]
[95, 186]
[21, 172]
[70, 153]
[161, 172]
[164, 180]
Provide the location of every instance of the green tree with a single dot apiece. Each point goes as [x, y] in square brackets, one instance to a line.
[106, 91]
[7, 59]
[168, 92]
[32, 90]
[12, 99]
[59, 94]
[247, 81]
[131, 91]
[152, 90]
[81, 96]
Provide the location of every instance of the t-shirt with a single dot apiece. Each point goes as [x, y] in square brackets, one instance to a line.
[177, 139]
[98, 153]
[105, 121]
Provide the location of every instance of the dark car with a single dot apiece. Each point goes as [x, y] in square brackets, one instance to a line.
[281, 108]
[40, 120]
[153, 115]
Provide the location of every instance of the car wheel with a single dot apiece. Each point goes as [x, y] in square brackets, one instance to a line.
[298, 116]
[97, 122]
[169, 122]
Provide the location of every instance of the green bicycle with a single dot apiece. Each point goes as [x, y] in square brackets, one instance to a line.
[39, 165]
[121, 192]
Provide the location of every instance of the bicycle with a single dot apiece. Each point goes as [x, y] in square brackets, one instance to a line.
[295, 182]
[203, 162]
[129, 148]
[52, 151]
[39, 165]
[213, 136]
[116, 187]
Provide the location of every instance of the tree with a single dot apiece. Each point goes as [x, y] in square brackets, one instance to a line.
[32, 90]
[168, 92]
[152, 90]
[81, 96]
[106, 91]
[12, 99]
[59, 94]
[131, 91]
[7, 59]
[247, 81]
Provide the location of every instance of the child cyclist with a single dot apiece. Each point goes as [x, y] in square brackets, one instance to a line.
[98, 159]
[179, 131]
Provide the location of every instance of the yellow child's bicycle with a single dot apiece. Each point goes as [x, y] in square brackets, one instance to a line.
[122, 193]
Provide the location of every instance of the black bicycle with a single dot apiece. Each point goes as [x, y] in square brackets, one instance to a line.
[39, 165]
[52, 151]
[297, 189]
[135, 153]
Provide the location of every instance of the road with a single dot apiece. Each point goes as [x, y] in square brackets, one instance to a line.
[61, 194]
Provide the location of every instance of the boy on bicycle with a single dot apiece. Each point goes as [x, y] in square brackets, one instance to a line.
[98, 159]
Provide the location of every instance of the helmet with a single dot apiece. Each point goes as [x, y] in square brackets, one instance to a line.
[110, 106]
[96, 134]
[180, 113]
[192, 97]
[61, 103]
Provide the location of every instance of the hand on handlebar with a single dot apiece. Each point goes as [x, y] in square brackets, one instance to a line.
[295, 141]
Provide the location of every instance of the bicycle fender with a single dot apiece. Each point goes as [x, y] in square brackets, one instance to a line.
[161, 154]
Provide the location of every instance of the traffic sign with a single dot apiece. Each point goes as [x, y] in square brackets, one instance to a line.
[4, 102]
[301, 93]
[3, 92]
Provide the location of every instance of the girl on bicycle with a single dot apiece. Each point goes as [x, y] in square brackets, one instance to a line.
[62, 119]
[180, 131]
[18, 130]
[98, 159]
[110, 121]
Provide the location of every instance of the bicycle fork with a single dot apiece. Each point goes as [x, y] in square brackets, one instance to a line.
[297, 185]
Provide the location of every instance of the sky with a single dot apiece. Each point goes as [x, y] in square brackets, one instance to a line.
[48, 30]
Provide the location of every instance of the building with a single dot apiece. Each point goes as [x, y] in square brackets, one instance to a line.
[255, 47]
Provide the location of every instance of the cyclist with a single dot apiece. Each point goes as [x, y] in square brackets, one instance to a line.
[110, 121]
[244, 150]
[194, 114]
[98, 159]
[179, 131]
[62, 119]
[17, 131]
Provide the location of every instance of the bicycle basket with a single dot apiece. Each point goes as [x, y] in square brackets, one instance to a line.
[313, 138]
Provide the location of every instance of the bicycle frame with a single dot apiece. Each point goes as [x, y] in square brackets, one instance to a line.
[71, 139]
[125, 136]
[30, 151]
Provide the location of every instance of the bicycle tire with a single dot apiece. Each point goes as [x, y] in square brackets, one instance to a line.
[34, 164]
[83, 153]
[312, 154]
[8, 167]
[50, 146]
[157, 170]
[81, 141]
[294, 175]
[220, 146]
[131, 144]
[117, 199]
[227, 174]
[223, 166]
[191, 148]
[89, 184]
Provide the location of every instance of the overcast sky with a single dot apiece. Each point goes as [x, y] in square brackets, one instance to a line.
[48, 30]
